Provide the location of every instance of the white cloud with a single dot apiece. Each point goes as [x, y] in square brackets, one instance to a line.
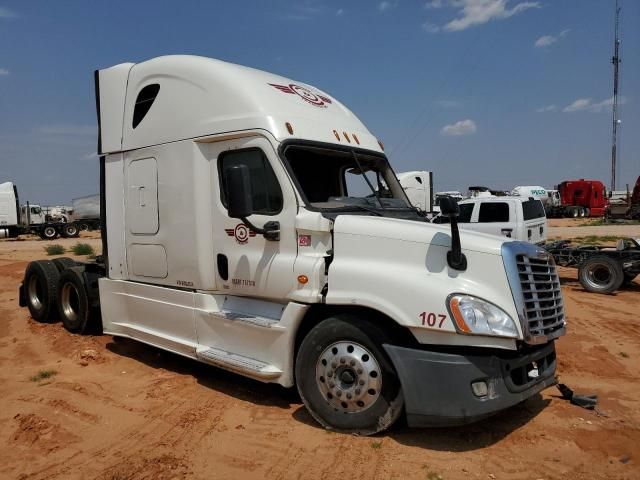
[6, 13]
[434, 4]
[430, 27]
[340, 12]
[4, 72]
[547, 40]
[477, 12]
[463, 127]
[68, 130]
[386, 5]
[585, 104]
[547, 108]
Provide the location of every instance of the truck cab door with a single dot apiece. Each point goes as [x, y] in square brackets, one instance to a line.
[247, 263]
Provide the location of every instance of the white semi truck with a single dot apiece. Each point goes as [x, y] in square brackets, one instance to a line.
[18, 220]
[230, 237]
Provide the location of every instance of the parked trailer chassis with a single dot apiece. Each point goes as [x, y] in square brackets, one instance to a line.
[601, 269]
[46, 231]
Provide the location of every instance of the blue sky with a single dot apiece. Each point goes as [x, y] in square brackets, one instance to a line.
[482, 92]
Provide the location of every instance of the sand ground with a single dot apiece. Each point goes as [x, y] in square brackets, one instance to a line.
[117, 409]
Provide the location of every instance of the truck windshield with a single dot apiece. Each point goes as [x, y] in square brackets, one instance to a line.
[335, 179]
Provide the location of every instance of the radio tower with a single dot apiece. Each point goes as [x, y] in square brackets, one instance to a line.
[615, 60]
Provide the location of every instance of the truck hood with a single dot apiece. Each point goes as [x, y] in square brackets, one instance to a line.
[416, 232]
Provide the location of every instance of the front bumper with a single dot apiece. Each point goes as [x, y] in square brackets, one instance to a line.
[437, 386]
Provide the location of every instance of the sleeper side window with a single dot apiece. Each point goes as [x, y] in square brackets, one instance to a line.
[265, 189]
[491, 212]
[145, 99]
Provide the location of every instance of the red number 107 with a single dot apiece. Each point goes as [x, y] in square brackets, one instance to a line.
[430, 319]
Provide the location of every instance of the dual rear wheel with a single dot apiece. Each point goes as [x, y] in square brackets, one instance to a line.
[58, 289]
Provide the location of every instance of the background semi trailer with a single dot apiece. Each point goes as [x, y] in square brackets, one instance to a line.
[572, 198]
[18, 220]
[231, 235]
[626, 206]
[86, 212]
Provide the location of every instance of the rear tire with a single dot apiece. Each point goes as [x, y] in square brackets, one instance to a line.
[63, 263]
[49, 233]
[345, 378]
[600, 274]
[41, 290]
[70, 230]
[73, 302]
[84, 227]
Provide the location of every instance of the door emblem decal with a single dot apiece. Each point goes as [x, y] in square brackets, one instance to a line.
[241, 233]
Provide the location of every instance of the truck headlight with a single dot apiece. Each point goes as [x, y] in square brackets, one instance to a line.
[475, 316]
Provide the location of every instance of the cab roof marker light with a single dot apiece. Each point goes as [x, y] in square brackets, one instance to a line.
[355, 138]
[381, 145]
[289, 128]
[335, 132]
[346, 136]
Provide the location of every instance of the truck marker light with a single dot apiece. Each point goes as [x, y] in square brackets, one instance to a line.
[303, 279]
[337, 135]
[457, 316]
[347, 137]
[355, 138]
[289, 128]
[381, 145]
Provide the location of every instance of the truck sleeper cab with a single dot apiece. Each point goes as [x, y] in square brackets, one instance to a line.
[243, 226]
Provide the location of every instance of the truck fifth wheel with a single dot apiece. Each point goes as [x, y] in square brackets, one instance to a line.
[243, 226]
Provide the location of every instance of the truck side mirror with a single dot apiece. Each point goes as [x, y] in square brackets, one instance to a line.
[448, 206]
[239, 198]
[240, 202]
[455, 257]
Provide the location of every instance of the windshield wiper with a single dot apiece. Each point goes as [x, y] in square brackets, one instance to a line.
[347, 208]
[366, 179]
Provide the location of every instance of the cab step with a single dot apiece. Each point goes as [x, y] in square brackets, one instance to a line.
[238, 363]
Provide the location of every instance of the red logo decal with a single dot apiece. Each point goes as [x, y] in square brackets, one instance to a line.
[304, 240]
[304, 93]
[241, 233]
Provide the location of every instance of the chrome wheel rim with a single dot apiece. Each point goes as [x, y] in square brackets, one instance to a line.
[34, 291]
[49, 231]
[348, 377]
[69, 301]
[599, 275]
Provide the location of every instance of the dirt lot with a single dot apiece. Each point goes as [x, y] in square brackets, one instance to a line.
[116, 409]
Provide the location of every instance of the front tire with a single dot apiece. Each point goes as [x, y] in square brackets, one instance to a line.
[345, 378]
[601, 274]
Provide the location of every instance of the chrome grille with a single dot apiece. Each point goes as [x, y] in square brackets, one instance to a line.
[535, 287]
[543, 306]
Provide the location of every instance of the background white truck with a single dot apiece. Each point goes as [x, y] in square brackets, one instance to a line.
[519, 218]
[230, 236]
[18, 220]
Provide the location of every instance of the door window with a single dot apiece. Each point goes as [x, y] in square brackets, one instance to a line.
[493, 212]
[267, 195]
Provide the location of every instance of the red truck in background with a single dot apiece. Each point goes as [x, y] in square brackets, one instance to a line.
[578, 198]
